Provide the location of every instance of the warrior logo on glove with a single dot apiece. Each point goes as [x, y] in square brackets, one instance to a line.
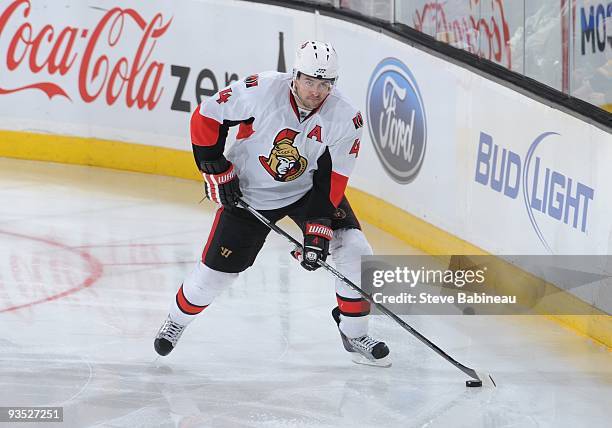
[285, 162]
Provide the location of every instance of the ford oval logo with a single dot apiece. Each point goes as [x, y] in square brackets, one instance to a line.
[396, 119]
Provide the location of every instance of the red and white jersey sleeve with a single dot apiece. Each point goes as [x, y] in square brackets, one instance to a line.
[344, 155]
[234, 103]
[228, 107]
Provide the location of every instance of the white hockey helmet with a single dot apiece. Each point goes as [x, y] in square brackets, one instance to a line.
[316, 59]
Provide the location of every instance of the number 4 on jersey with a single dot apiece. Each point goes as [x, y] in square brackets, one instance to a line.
[355, 148]
[224, 95]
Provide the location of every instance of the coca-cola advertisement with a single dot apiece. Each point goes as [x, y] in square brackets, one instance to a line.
[124, 70]
[97, 56]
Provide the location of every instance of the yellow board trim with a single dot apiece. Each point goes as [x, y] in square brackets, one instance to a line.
[96, 152]
[176, 163]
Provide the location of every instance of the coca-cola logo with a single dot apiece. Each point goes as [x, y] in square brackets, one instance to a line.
[51, 57]
[486, 35]
[396, 120]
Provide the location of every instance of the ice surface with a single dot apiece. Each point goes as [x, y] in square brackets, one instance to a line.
[90, 259]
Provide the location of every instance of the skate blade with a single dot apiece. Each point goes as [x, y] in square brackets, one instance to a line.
[360, 359]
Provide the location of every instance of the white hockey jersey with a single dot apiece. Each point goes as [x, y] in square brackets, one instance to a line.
[276, 156]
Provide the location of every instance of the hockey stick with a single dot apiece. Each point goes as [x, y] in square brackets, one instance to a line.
[484, 378]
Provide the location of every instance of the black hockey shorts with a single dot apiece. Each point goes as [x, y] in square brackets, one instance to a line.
[236, 236]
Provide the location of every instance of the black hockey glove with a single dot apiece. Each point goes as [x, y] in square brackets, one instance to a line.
[317, 234]
[221, 182]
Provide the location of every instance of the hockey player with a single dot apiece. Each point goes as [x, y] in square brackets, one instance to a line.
[296, 145]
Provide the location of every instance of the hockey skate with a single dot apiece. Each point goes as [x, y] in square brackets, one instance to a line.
[364, 349]
[167, 337]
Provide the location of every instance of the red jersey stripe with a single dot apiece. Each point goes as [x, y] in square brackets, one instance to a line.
[212, 233]
[337, 188]
[245, 130]
[204, 130]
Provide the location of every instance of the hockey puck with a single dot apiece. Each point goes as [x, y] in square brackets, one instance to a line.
[473, 383]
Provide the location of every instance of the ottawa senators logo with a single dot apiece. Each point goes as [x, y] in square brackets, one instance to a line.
[285, 162]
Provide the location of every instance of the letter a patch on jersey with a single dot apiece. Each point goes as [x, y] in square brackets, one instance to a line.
[285, 162]
[315, 133]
